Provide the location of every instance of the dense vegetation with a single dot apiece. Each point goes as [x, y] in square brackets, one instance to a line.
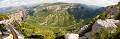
[53, 25]
[45, 24]
[50, 25]
[3, 17]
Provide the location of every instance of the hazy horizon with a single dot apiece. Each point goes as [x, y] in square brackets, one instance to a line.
[9, 3]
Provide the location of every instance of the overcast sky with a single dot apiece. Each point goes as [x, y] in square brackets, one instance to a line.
[7, 3]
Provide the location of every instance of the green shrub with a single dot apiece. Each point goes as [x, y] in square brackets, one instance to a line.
[2, 17]
[104, 15]
[105, 34]
[46, 32]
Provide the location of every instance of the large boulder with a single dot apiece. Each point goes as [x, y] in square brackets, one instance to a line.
[109, 24]
[71, 36]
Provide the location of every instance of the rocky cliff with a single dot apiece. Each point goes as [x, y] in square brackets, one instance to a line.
[9, 24]
[109, 23]
[75, 9]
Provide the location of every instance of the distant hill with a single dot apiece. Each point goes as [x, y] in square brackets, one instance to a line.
[60, 13]
[113, 10]
[75, 9]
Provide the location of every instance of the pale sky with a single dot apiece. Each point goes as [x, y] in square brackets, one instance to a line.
[8, 3]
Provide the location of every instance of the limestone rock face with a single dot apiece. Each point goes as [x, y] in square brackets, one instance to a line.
[71, 36]
[20, 16]
[58, 7]
[110, 24]
[75, 9]
[14, 20]
[11, 37]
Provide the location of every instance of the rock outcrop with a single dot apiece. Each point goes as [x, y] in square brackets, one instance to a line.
[71, 36]
[14, 20]
[110, 24]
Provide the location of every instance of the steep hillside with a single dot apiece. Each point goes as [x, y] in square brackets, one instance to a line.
[77, 10]
[105, 25]
[113, 12]
[57, 18]
[62, 13]
[111, 29]
[53, 20]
